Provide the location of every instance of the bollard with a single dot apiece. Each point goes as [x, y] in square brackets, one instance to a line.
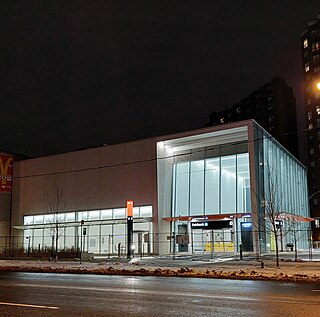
[262, 264]
[240, 246]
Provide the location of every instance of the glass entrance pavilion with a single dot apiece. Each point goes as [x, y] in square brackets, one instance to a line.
[224, 175]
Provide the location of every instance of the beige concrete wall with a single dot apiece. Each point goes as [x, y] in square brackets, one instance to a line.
[91, 179]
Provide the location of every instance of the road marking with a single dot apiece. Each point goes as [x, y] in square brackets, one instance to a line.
[29, 305]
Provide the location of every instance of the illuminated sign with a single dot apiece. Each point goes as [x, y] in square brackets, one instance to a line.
[129, 208]
[6, 164]
[210, 225]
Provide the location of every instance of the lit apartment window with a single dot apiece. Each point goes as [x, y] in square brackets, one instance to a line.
[315, 202]
[309, 115]
[238, 109]
[310, 126]
[305, 43]
[305, 54]
[318, 110]
[306, 67]
[222, 120]
[317, 223]
[270, 107]
[311, 151]
[309, 102]
[271, 119]
[316, 46]
[313, 164]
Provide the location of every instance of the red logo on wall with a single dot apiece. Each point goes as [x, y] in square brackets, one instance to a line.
[6, 168]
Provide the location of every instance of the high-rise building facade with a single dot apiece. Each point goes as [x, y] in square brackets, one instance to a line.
[273, 106]
[310, 42]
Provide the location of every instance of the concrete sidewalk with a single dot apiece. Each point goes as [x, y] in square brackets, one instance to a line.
[221, 266]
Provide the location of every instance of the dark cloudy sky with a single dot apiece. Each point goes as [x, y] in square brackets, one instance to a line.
[83, 73]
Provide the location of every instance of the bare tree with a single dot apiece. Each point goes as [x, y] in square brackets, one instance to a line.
[56, 207]
[270, 197]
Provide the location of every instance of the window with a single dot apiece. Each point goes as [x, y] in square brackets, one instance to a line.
[28, 220]
[315, 33]
[311, 151]
[238, 109]
[305, 43]
[316, 59]
[119, 213]
[318, 135]
[70, 216]
[313, 164]
[38, 219]
[315, 202]
[221, 120]
[271, 128]
[318, 110]
[94, 215]
[309, 102]
[306, 67]
[318, 95]
[316, 70]
[318, 123]
[146, 211]
[270, 107]
[315, 46]
[106, 214]
[317, 223]
[310, 126]
[309, 115]
[271, 119]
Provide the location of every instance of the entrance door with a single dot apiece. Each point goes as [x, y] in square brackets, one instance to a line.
[183, 230]
[246, 236]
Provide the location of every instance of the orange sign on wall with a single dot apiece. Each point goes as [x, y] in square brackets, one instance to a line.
[6, 168]
[129, 208]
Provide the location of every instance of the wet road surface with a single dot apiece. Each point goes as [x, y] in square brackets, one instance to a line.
[30, 294]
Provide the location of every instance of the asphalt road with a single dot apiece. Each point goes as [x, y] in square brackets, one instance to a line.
[29, 294]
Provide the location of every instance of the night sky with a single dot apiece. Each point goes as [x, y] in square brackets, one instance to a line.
[77, 74]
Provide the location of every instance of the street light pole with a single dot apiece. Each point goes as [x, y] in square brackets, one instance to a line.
[28, 238]
[81, 225]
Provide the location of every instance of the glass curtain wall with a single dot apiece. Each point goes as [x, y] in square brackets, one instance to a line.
[282, 181]
[105, 229]
[214, 185]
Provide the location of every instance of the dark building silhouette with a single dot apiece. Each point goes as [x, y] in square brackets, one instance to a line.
[273, 106]
[310, 43]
